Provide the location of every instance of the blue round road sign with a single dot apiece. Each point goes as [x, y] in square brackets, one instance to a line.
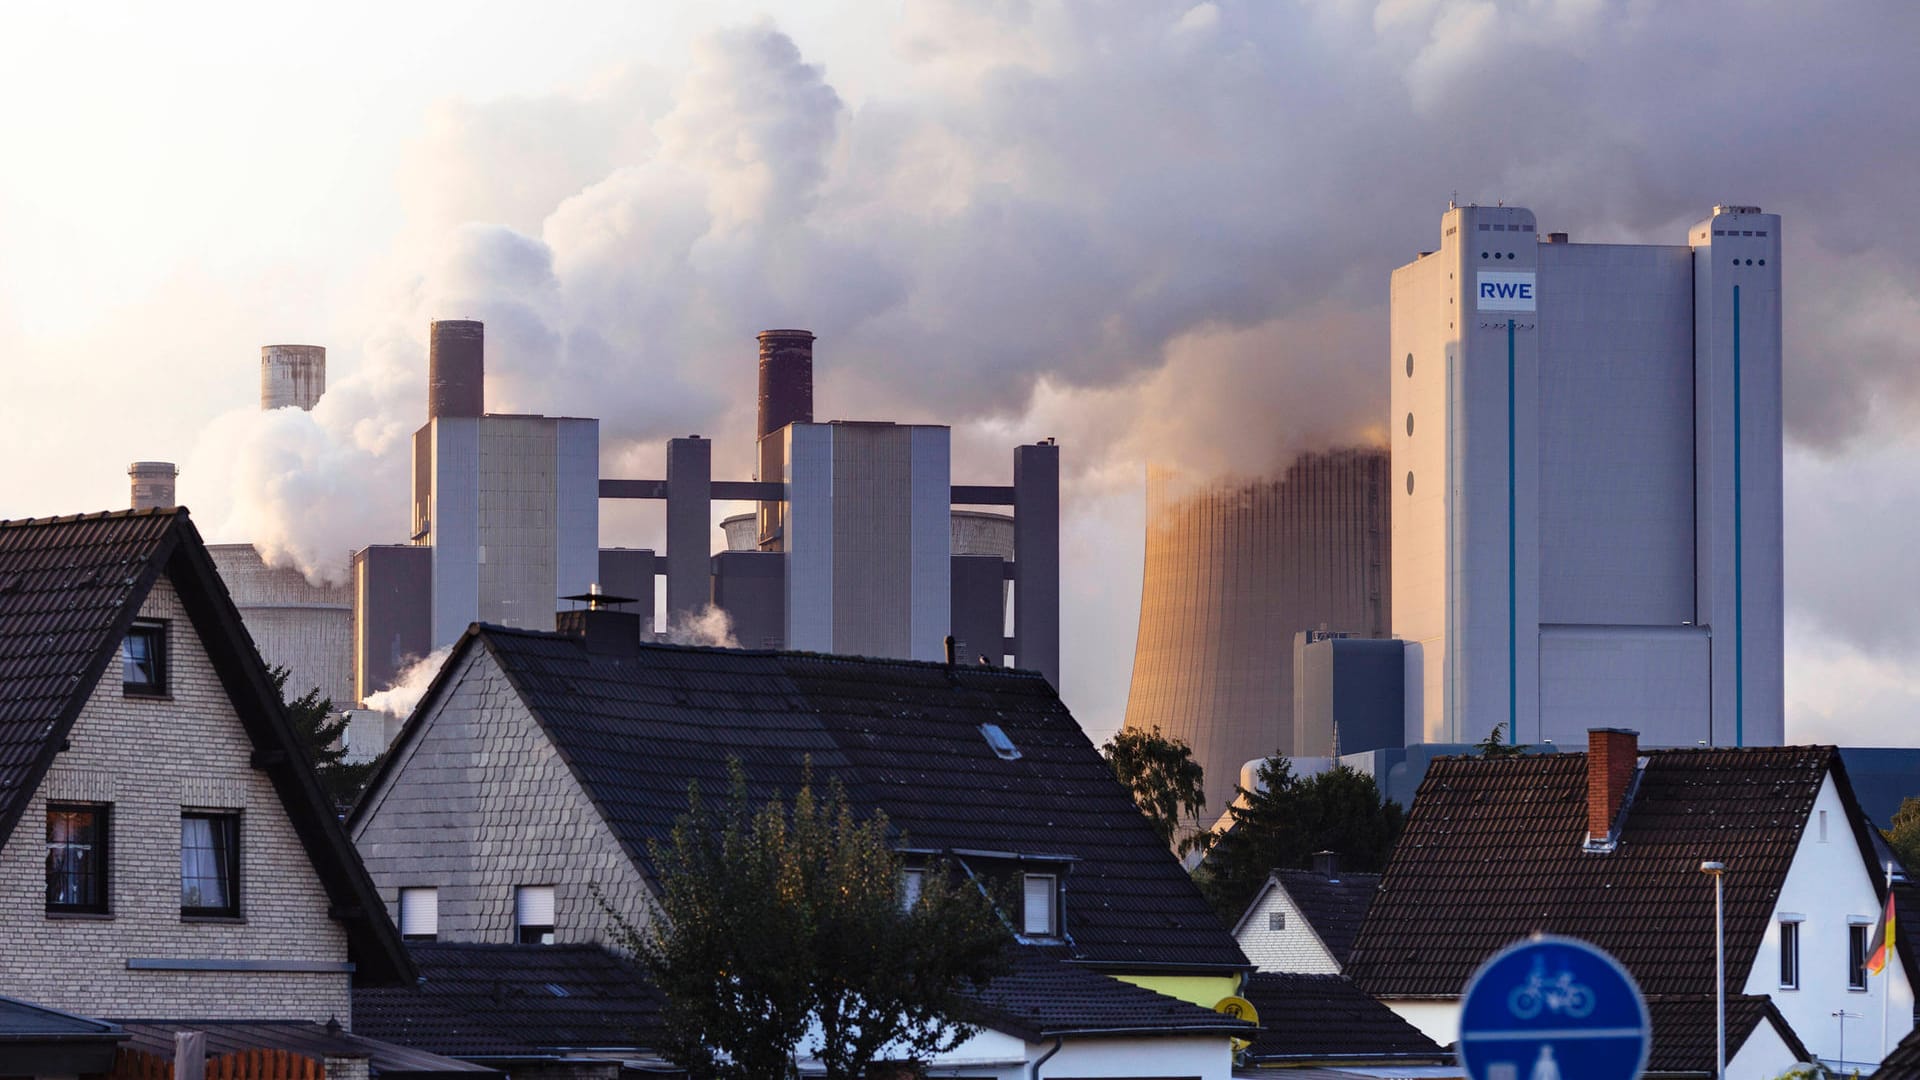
[1553, 1008]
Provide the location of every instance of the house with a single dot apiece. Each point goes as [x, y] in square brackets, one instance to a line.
[1609, 846]
[1326, 1022]
[539, 766]
[1904, 1062]
[165, 850]
[1306, 920]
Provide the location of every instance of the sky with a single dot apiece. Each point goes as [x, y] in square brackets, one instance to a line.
[1155, 231]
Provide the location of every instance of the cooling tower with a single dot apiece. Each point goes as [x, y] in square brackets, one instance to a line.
[456, 369]
[152, 484]
[1232, 572]
[292, 375]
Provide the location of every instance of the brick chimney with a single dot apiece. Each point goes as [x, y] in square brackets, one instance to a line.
[1612, 756]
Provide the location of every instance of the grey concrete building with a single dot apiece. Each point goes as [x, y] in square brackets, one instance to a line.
[303, 627]
[292, 376]
[1349, 694]
[1586, 446]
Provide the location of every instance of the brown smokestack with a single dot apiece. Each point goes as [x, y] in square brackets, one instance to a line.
[1612, 756]
[153, 484]
[456, 368]
[786, 379]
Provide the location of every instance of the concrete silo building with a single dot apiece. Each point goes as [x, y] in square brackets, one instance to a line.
[1233, 572]
[292, 376]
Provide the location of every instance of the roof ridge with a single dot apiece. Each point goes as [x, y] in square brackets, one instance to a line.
[994, 670]
[96, 515]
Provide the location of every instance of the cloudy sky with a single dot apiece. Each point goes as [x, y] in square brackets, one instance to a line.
[1152, 230]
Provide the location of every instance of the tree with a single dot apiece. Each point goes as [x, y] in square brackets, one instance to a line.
[1904, 837]
[773, 921]
[1165, 781]
[319, 729]
[1496, 746]
[1290, 818]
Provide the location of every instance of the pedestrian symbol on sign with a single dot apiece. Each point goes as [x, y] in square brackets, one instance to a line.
[1553, 1008]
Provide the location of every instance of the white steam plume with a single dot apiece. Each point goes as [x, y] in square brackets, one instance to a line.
[708, 626]
[404, 695]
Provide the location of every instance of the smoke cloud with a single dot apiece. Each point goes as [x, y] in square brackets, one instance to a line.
[404, 695]
[1159, 232]
[708, 626]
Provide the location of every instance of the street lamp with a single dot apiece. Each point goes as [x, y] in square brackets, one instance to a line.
[1718, 872]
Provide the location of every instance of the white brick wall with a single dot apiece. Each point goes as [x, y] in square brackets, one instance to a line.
[1294, 948]
[150, 758]
[480, 803]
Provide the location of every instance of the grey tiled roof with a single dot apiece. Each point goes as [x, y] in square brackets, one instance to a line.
[488, 1000]
[1904, 1062]
[69, 589]
[1685, 1030]
[1043, 997]
[1493, 851]
[24, 1018]
[902, 737]
[1334, 907]
[1327, 1018]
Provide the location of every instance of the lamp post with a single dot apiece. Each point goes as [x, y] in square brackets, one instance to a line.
[1718, 872]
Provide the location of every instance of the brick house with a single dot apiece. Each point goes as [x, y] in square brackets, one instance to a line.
[1607, 846]
[539, 766]
[165, 850]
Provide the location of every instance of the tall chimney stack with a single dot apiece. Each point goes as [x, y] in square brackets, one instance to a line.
[456, 368]
[786, 379]
[1612, 756]
[293, 375]
[153, 484]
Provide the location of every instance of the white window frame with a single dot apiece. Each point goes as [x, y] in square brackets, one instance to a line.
[419, 913]
[529, 903]
[1862, 929]
[1790, 973]
[1048, 923]
[912, 881]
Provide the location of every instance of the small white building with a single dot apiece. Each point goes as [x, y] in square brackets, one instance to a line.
[1305, 921]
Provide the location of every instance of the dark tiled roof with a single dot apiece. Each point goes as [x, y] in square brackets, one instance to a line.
[1327, 1018]
[1493, 852]
[1334, 907]
[903, 737]
[1904, 1062]
[23, 1018]
[1043, 997]
[302, 1037]
[1685, 1030]
[486, 1001]
[69, 589]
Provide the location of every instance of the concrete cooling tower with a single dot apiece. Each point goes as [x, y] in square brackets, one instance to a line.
[1233, 571]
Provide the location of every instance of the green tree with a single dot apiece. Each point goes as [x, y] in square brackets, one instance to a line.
[1904, 837]
[1495, 744]
[1164, 780]
[319, 729]
[773, 920]
[1290, 818]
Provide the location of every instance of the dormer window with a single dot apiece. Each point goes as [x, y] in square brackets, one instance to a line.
[1040, 906]
[143, 658]
[1002, 745]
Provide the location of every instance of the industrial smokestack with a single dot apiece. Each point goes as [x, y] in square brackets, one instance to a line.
[153, 484]
[293, 375]
[456, 369]
[786, 379]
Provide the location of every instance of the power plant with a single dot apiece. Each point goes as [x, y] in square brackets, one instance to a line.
[1586, 446]
[1233, 571]
[292, 376]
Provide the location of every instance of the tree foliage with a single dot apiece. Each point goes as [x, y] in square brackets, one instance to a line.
[1164, 780]
[1495, 745]
[790, 917]
[1904, 837]
[319, 729]
[1282, 825]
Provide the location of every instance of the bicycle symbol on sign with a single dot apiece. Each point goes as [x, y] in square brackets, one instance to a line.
[1559, 994]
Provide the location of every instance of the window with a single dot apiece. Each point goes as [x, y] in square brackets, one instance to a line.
[76, 858]
[911, 883]
[1037, 909]
[419, 914]
[1823, 826]
[533, 914]
[1789, 954]
[1857, 956]
[143, 658]
[1002, 745]
[209, 864]
[1276, 920]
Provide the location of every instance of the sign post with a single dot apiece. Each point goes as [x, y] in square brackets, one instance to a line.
[1553, 1008]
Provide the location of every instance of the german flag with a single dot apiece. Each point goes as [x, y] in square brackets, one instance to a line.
[1881, 947]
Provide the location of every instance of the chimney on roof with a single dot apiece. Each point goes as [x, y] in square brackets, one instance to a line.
[604, 630]
[1612, 756]
[1327, 864]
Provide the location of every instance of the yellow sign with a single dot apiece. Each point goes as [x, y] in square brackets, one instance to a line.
[1240, 1009]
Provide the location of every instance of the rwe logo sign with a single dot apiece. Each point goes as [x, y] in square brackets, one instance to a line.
[1506, 290]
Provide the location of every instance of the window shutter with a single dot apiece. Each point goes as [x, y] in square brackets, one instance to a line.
[419, 912]
[1038, 915]
[533, 905]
